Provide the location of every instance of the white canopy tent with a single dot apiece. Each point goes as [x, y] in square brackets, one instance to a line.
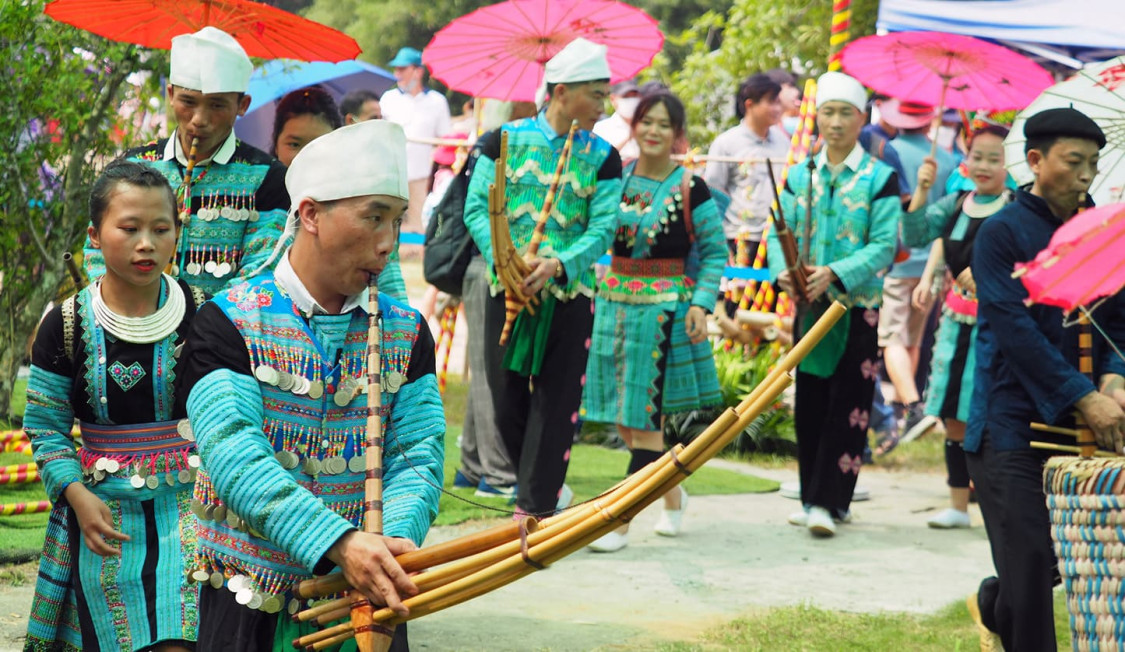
[1068, 32]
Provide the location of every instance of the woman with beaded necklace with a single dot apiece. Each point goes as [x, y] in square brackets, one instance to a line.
[112, 575]
[953, 222]
[649, 354]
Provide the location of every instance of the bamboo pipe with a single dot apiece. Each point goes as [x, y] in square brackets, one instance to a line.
[418, 560]
[1077, 450]
[367, 638]
[592, 527]
[1042, 427]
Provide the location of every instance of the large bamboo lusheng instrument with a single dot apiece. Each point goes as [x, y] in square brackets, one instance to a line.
[370, 636]
[471, 566]
[511, 267]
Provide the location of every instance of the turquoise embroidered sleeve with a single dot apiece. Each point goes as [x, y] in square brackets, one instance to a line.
[923, 226]
[225, 409]
[878, 251]
[476, 206]
[391, 282]
[258, 243]
[48, 420]
[579, 257]
[413, 458]
[712, 248]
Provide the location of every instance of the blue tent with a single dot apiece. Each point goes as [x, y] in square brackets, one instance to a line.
[271, 81]
[1068, 32]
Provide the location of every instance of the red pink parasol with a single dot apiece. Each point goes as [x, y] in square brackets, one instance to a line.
[263, 31]
[499, 51]
[946, 70]
[1084, 262]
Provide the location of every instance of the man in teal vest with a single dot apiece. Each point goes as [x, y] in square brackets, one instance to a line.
[275, 378]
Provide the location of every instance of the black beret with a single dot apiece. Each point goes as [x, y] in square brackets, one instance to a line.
[1063, 123]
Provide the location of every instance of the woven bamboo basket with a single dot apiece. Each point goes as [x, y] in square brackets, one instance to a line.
[1086, 499]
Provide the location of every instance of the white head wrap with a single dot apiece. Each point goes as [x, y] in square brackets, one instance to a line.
[838, 87]
[367, 158]
[579, 61]
[210, 61]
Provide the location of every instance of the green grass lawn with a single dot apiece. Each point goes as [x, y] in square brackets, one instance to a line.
[593, 470]
[800, 628]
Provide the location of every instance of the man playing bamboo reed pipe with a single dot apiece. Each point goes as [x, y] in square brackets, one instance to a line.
[536, 378]
[1028, 371]
[274, 381]
[854, 213]
[236, 211]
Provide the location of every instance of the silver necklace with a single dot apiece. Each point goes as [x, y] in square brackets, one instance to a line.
[147, 329]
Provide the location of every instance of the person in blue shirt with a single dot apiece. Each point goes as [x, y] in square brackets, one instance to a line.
[1027, 371]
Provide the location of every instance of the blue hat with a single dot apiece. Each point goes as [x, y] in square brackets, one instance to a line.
[406, 57]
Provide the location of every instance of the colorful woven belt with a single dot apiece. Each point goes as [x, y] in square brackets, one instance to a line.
[132, 439]
[647, 266]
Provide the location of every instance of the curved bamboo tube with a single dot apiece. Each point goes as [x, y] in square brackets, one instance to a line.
[418, 560]
[564, 533]
[515, 302]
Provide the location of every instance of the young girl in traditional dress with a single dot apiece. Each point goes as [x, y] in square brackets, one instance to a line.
[649, 354]
[954, 221]
[112, 574]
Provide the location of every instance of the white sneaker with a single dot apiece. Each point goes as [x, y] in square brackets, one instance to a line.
[566, 496]
[800, 519]
[611, 542]
[949, 519]
[668, 525]
[790, 490]
[820, 522]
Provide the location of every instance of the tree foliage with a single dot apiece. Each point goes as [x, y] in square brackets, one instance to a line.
[58, 124]
[370, 22]
[754, 35]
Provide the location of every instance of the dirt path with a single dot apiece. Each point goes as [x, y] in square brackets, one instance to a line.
[736, 554]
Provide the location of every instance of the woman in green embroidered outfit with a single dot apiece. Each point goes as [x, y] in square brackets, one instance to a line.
[302, 116]
[112, 574]
[953, 222]
[649, 354]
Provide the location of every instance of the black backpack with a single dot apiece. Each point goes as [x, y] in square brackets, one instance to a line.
[449, 248]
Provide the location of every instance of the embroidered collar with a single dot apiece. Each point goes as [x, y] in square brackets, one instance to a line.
[222, 156]
[852, 161]
[286, 278]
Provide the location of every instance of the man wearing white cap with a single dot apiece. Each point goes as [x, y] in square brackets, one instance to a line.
[855, 216]
[238, 199]
[538, 424]
[423, 113]
[274, 384]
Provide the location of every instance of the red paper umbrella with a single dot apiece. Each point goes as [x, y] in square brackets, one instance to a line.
[262, 30]
[499, 51]
[946, 70]
[1084, 262]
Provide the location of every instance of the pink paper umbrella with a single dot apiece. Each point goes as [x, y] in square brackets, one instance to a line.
[1084, 262]
[947, 70]
[499, 51]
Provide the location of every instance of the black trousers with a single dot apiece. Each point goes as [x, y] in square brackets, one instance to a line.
[537, 417]
[1009, 488]
[226, 626]
[831, 416]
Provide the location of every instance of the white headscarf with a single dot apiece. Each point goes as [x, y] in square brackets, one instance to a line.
[210, 61]
[579, 61]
